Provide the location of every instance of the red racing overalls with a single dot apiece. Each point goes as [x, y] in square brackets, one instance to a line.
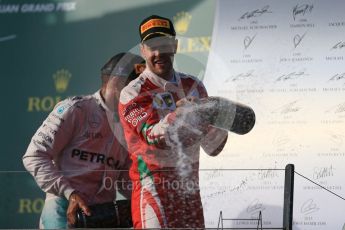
[162, 197]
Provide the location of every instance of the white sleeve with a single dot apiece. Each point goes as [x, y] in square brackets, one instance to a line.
[48, 142]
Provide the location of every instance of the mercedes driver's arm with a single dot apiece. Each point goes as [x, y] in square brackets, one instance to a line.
[47, 143]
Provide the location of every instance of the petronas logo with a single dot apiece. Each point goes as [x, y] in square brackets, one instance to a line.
[61, 79]
[181, 22]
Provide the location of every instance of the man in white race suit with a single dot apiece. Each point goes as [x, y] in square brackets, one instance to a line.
[80, 146]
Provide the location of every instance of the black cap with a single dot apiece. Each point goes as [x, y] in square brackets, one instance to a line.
[156, 26]
[124, 65]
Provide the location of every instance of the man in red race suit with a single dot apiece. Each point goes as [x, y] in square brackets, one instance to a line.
[165, 154]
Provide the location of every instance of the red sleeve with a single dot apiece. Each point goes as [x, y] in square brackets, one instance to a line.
[139, 116]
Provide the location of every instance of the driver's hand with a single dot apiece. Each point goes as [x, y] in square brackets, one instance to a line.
[75, 202]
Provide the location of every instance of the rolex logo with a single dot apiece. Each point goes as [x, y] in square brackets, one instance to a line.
[61, 79]
[181, 22]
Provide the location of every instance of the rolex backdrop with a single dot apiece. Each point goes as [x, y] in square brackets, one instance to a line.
[50, 50]
[285, 59]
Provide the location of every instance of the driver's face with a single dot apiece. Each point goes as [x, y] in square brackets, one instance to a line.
[159, 55]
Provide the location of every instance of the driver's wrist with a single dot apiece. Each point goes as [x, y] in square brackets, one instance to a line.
[72, 197]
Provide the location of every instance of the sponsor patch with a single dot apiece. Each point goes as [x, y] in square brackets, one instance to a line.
[154, 23]
[98, 158]
[134, 113]
[164, 101]
[93, 135]
[62, 108]
[45, 137]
